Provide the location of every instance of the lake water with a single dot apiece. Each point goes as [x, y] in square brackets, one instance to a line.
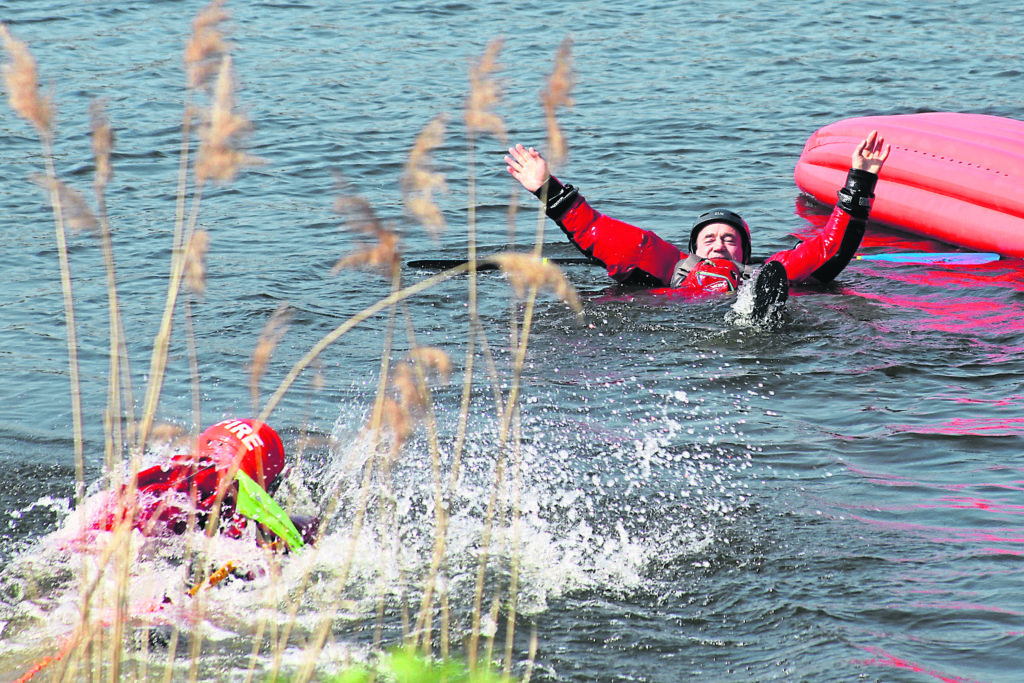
[836, 500]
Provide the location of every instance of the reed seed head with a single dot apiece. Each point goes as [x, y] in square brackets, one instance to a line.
[398, 421]
[168, 434]
[273, 332]
[526, 271]
[22, 87]
[408, 384]
[432, 358]
[206, 46]
[484, 94]
[403, 379]
[195, 261]
[419, 182]
[75, 210]
[218, 159]
[358, 216]
[382, 256]
[102, 144]
[557, 95]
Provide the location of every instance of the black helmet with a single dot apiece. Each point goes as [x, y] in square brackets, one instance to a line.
[722, 216]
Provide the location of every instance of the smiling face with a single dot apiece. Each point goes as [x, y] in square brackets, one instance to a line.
[720, 240]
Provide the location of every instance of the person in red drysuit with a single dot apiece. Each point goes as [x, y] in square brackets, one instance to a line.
[718, 255]
[198, 483]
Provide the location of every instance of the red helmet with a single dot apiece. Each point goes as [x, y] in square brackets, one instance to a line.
[253, 445]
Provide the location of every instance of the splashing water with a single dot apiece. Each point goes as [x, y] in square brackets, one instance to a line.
[598, 511]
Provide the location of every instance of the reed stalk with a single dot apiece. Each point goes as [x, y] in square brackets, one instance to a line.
[403, 397]
[420, 182]
[114, 419]
[206, 55]
[24, 97]
[479, 118]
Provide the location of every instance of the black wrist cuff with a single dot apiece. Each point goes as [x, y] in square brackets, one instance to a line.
[559, 197]
[855, 198]
[861, 182]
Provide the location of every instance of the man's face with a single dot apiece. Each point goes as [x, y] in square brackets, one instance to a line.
[720, 240]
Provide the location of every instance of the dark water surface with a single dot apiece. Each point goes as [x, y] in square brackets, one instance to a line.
[837, 500]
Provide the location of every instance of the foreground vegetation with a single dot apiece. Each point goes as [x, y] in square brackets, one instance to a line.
[431, 642]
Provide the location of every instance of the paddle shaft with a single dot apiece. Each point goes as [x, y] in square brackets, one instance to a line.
[951, 258]
[482, 264]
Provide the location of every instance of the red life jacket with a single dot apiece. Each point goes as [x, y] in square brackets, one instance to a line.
[165, 491]
[714, 276]
[696, 278]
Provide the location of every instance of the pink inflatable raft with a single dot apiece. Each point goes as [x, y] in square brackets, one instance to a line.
[957, 178]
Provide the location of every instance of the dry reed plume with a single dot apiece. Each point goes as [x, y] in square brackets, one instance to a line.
[167, 434]
[358, 216]
[206, 45]
[484, 94]
[102, 145]
[77, 213]
[219, 159]
[526, 272]
[433, 359]
[22, 88]
[419, 182]
[409, 378]
[195, 261]
[273, 333]
[556, 95]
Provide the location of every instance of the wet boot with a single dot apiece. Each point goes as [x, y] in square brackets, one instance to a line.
[771, 289]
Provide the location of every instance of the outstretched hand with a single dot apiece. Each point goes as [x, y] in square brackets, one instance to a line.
[527, 166]
[871, 153]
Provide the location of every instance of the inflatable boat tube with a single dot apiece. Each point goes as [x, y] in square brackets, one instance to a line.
[957, 178]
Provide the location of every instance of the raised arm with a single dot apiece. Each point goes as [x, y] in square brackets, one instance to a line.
[822, 257]
[630, 254]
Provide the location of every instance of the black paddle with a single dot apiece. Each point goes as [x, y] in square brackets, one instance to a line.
[483, 264]
[925, 258]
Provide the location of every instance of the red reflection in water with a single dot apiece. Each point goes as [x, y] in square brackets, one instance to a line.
[948, 276]
[948, 535]
[882, 658]
[959, 314]
[999, 536]
[817, 215]
[979, 504]
[1009, 401]
[964, 426]
[1004, 275]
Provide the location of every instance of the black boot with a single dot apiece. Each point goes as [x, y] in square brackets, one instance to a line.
[771, 289]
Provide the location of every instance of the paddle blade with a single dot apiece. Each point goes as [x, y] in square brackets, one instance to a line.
[257, 505]
[953, 258]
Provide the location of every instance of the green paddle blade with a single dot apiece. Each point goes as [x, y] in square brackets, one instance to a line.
[257, 505]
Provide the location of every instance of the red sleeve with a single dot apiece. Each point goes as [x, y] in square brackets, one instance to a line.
[630, 254]
[802, 260]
